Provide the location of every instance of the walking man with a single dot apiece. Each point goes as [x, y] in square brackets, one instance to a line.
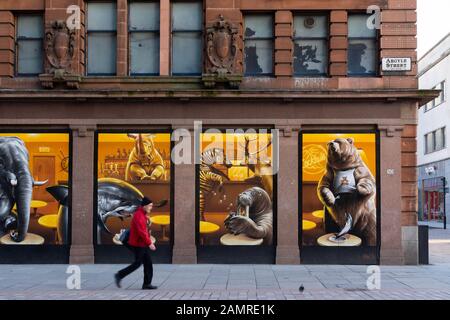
[141, 244]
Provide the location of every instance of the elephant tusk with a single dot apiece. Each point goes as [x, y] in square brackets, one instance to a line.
[39, 183]
[13, 183]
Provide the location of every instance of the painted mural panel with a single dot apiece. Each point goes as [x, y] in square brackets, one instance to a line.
[339, 190]
[131, 166]
[34, 188]
[235, 189]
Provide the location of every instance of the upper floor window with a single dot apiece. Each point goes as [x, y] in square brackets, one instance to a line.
[29, 50]
[101, 38]
[362, 47]
[310, 45]
[439, 100]
[143, 29]
[187, 30]
[258, 44]
[435, 141]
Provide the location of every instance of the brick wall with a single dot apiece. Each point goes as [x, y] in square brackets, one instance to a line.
[7, 34]
[409, 176]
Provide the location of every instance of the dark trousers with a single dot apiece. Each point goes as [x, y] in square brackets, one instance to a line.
[141, 256]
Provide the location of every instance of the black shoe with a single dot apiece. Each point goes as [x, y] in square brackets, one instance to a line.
[117, 279]
[149, 287]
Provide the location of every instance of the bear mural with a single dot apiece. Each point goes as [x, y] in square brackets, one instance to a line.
[348, 190]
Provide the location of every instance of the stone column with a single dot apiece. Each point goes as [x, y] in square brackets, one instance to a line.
[82, 250]
[287, 198]
[391, 201]
[7, 36]
[338, 43]
[185, 250]
[122, 38]
[283, 44]
[164, 38]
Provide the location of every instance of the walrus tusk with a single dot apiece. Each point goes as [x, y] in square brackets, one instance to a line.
[347, 227]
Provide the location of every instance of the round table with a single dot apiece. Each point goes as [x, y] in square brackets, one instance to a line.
[207, 228]
[230, 239]
[50, 221]
[35, 205]
[30, 239]
[118, 242]
[163, 221]
[308, 225]
[318, 214]
[351, 241]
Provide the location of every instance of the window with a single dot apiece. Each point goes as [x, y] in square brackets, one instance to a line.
[258, 44]
[362, 47]
[101, 38]
[29, 51]
[439, 100]
[144, 38]
[435, 141]
[310, 45]
[187, 22]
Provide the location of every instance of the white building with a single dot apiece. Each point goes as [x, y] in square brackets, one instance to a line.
[433, 134]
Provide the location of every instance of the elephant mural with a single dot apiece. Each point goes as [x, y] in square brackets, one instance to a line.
[117, 198]
[16, 188]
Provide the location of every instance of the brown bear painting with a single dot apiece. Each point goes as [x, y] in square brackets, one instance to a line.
[348, 187]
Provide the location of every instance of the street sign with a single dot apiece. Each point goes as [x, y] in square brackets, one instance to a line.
[396, 64]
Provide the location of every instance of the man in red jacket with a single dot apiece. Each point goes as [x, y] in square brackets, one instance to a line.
[141, 244]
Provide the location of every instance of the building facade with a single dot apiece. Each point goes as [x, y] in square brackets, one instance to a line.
[301, 116]
[433, 129]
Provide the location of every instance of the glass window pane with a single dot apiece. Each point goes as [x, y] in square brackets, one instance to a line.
[429, 143]
[362, 57]
[30, 26]
[357, 27]
[258, 55]
[257, 26]
[442, 94]
[144, 55]
[440, 139]
[30, 57]
[310, 26]
[102, 53]
[187, 15]
[310, 57]
[187, 53]
[144, 16]
[101, 16]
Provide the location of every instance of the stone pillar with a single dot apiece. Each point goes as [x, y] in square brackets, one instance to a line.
[164, 38]
[287, 198]
[82, 250]
[7, 38]
[122, 38]
[283, 44]
[338, 43]
[184, 249]
[391, 190]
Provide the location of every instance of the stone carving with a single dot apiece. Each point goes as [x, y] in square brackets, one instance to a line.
[221, 50]
[59, 52]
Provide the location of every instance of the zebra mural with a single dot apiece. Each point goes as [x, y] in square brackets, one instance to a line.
[211, 178]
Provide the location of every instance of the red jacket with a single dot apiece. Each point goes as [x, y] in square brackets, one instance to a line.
[139, 236]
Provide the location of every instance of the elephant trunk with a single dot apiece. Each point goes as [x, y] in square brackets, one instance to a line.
[23, 193]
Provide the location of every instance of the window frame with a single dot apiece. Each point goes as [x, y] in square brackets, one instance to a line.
[257, 13]
[325, 14]
[19, 39]
[87, 32]
[130, 32]
[433, 104]
[375, 39]
[433, 148]
[200, 32]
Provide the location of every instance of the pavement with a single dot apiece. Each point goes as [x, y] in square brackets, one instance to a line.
[237, 282]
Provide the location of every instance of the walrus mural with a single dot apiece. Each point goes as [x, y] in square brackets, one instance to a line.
[253, 216]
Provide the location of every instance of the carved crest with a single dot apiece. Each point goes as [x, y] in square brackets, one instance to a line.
[221, 47]
[59, 47]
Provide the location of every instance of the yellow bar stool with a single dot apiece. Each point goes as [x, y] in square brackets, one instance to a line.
[207, 228]
[50, 221]
[163, 221]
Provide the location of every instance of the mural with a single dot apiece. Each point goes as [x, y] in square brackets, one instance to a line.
[235, 189]
[34, 190]
[131, 165]
[339, 190]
